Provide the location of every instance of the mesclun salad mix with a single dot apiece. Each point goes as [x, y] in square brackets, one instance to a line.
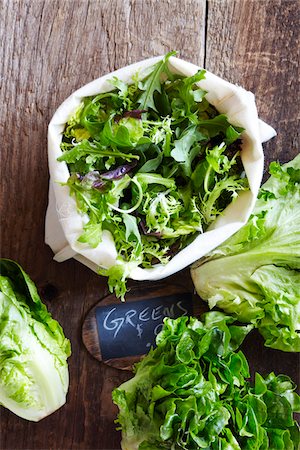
[153, 163]
[192, 392]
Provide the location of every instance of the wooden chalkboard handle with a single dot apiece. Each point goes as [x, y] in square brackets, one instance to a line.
[142, 291]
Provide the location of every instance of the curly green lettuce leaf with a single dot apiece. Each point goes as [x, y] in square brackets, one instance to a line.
[125, 133]
[255, 275]
[33, 349]
[192, 391]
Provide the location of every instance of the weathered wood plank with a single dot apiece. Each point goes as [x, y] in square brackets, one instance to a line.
[50, 48]
[256, 45]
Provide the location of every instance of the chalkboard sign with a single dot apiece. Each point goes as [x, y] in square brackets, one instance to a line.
[120, 333]
[130, 329]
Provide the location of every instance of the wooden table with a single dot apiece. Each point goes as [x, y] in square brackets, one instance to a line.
[49, 49]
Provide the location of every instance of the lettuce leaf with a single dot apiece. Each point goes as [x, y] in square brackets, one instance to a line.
[33, 349]
[255, 275]
[192, 392]
[152, 83]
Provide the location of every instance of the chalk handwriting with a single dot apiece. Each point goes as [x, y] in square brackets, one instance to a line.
[137, 319]
[139, 330]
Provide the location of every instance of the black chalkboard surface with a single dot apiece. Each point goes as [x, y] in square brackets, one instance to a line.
[118, 334]
[129, 329]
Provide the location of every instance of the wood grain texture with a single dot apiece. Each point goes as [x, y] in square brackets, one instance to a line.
[256, 45]
[48, 49]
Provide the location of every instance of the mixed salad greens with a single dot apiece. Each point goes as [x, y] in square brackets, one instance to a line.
[255, 274]
[34, 375]
[153, 163]
[192, 392]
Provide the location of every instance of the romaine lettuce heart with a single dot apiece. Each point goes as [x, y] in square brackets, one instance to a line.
[33, 349]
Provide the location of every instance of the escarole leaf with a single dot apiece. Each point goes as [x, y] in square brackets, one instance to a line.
[255, 275]
[192, 391]
[33, 349]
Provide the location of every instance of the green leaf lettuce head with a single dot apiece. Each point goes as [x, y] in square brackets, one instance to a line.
[153, 157]
[192, 392]
[255, 274]
[33, 349]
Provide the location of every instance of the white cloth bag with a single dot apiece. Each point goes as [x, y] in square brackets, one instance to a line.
[64, 224]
